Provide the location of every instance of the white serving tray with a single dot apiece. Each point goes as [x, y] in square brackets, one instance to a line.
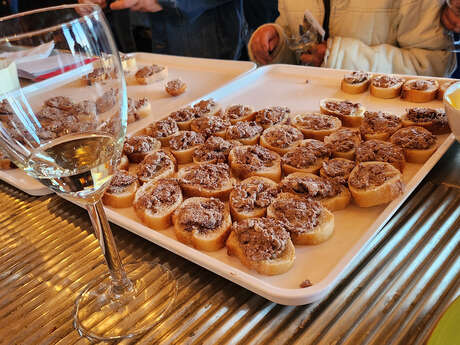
[323, 264]
[201, 75]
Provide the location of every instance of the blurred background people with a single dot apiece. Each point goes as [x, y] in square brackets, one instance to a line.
[200, 28]
[387, 36]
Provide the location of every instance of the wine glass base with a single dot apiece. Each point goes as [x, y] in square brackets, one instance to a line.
[101, 315]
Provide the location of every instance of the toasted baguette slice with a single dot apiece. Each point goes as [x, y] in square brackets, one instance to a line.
[143, 108]
[246, 132]
[316, 125]
[151, 74]
[275, 266]
[298, 183]
[207, 180]
[349, 113]
[420, 90]
[417, 142]
[206, 107]
[280, 138]
[184, 144]
[344, 142]
[308, 156]
[184, 117]
[237, 113]
[313, 227]
[271, 116]
[122, 199]
[139, 146]
[214, 150]
[163, 130]
[158, 216]
[210, 126]
[379, 125]
[355, 82]
[375, 183]
[175, 87]
[252, 192]
[338, 169]
[386, 86]
[434, 120]
[157, 165]
[192, 214]
[262, 162]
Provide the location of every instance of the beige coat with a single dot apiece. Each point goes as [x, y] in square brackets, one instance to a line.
[387, 36]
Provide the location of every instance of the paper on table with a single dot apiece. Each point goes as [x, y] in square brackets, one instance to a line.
[40, 52]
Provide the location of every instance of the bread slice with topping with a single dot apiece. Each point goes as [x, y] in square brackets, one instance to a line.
[151, 74]
[157, 165]
[417, 142]
[183, 145]
[316, 125]
[349, 113]
[355, 82]
[435, 120]
[139, 146]
[330, 193]
[375, 183]
[121, 191]
[156, 201]
[262, 244]
[203, 223]
[344, 142]
[255, 160]
[420, 90]
[207, 180]
[251, 197]
[308, 156]
[307, 220]
[386, 86]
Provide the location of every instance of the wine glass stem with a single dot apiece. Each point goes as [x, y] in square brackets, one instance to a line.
[120, 282]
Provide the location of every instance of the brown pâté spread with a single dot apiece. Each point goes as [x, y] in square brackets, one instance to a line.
[184, 140]
[120, 182]
[343, 140]
[306, 154]
[163, 128]
[420, 115]
[356, 77]
[253, 194]
[148, 71]
[214, 149]
[300, 214]
[338, 169]
[342, 107]
[385, 81]
[314, 187]
[262, 238]
[371, 175]
[379, 122]
[315, 121]
[162, 194]
[272, 115]
[203, 215]
[236, 111]
[209, 125]
[379, 150]
[139, 144]
[184, 114]
[60, 102]
[254, 157]
[106, 101]
[421, 84]
[208, 176]
[153, 164]
[282, 136]
[205, 106]
[244, 130]
[413, 138]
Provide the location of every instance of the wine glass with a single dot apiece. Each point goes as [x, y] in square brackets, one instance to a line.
[63, 122]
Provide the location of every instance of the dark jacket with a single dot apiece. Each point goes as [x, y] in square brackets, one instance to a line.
[200, 28]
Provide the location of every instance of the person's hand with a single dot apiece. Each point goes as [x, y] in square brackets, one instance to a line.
[316, 57]
[450, 16]
[264, 42]
[137, 5]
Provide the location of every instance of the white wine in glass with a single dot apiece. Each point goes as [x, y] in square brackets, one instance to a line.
[63, 113]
